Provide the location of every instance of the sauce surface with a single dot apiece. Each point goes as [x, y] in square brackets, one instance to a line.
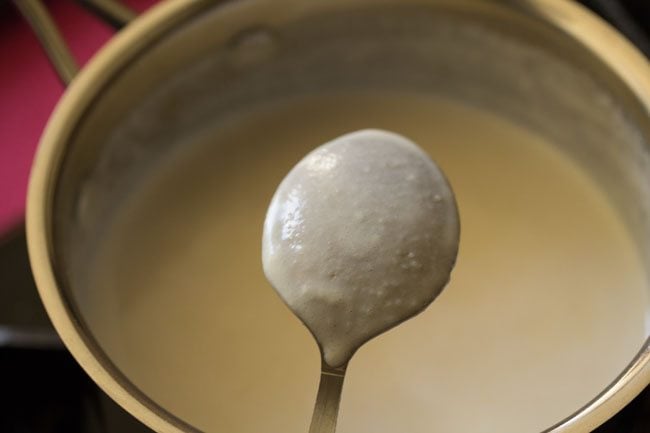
[547, 303]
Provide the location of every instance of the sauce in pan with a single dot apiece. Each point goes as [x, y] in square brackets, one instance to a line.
[546, 305]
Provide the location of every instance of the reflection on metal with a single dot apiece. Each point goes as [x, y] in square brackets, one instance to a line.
[328, 399]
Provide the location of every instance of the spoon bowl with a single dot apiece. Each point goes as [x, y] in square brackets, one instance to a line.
[361, 235]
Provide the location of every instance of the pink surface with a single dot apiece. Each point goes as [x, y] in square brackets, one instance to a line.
[29, 90]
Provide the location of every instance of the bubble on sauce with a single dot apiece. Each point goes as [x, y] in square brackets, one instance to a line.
[252, 46]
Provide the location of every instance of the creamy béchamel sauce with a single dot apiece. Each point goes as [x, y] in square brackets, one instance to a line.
[360, 235]
[547, 302]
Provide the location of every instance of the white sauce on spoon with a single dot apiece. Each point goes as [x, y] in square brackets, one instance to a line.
[361, 235]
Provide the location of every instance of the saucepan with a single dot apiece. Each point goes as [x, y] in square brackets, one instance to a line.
[547, 64]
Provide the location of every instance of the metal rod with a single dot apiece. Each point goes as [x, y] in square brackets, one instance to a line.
[29, 338]
[326, 409]
[41, 22]
[112, 11]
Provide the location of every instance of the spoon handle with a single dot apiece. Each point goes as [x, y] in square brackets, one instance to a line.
[328, 398]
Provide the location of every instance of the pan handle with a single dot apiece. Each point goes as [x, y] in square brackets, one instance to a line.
[41, 22]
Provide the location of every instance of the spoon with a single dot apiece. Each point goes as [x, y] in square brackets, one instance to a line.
[361, 235]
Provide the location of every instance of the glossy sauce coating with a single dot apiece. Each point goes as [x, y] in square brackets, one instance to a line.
[361, 235]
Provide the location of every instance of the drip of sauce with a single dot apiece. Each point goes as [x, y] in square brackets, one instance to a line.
[361, 235]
